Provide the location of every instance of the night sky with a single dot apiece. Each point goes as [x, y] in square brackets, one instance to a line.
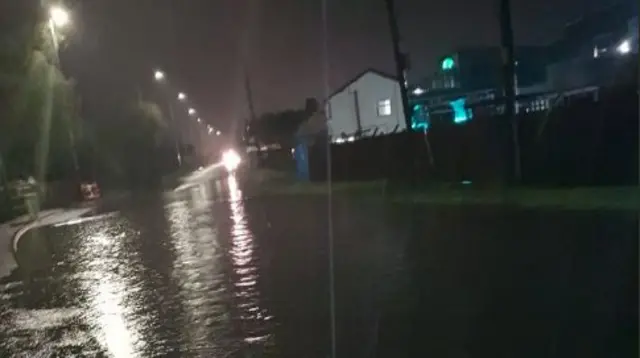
[202, 45]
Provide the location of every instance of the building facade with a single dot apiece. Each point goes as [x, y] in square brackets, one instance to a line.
[597, 50]
[471, 76]
[368, 105]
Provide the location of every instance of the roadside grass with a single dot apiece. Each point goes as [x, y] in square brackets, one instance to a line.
[581, 198]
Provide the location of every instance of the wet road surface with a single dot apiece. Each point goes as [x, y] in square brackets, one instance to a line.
[206, 274]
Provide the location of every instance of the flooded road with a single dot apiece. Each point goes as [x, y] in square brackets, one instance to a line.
[207, 274]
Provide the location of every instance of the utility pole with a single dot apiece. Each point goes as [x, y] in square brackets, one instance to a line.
[178, 132]
[252, 111]
[249, 93]
[400, 60]
[508, 73]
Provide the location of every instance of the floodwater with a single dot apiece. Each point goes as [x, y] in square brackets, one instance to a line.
[207, 274]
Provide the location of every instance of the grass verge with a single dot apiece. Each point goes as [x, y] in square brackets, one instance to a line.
[584, 198]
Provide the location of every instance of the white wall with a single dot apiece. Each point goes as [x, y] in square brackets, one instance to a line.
[371, 88]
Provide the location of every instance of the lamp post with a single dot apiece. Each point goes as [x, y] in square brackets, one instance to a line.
[160, 77]
[59, 18]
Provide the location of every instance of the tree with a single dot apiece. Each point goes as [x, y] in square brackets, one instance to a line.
[133, 148]
[280, 127]
[38, 107]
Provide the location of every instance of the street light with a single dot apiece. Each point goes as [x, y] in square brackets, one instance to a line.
[199, 121]
[158, 75]
[192, 111]
[59, 16]
[624, 47]
[218, 133]
[418, 91]
[182, 96]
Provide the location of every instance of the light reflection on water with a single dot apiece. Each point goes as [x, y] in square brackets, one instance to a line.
[173, 277]
[245, 270]
[198, 269]
[186, 278]
[112, 296]
[215, 267]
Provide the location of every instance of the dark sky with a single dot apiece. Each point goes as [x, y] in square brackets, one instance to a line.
[202, 44]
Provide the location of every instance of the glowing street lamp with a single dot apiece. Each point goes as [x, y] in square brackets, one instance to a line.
[624, 47]
[231, 160]
[182, 96]
[418, 91]
[218, 133]
[192, 111]
[158, 75]
[59, 16]
[199, 121]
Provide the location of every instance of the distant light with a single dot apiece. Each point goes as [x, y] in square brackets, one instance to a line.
[596, 53]
[158, 75]
[182, 96]
[218, 132]
[420, 118]
[351, 139]
[461, 114]
[466, 182]
[339, 140]
[192, 111]
[447, 64]
[59, 16]
[199, 120]
[418, 91]
[210, 130]
[231, 160]
[624, 47]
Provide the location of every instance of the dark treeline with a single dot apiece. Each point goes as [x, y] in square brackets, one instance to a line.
[45, 133]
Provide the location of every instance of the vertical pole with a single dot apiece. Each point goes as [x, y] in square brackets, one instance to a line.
[400, 60]
[247, 86]
[508, 69]
[177, 131]
[252, 117]
[252, 111]
[325, 82]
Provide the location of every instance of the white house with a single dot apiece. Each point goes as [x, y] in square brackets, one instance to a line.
[368, 105]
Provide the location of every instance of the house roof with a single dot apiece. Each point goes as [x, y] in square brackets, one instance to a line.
[360, 75]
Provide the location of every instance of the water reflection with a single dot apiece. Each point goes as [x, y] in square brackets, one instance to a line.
[246, 292]
[215, 267]
[198, 270]
[111, 293]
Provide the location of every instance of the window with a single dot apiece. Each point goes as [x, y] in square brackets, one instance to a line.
[384, 107]
[447, 64]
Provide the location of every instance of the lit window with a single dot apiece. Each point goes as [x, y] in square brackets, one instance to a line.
[384, 107]
[447, 64]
